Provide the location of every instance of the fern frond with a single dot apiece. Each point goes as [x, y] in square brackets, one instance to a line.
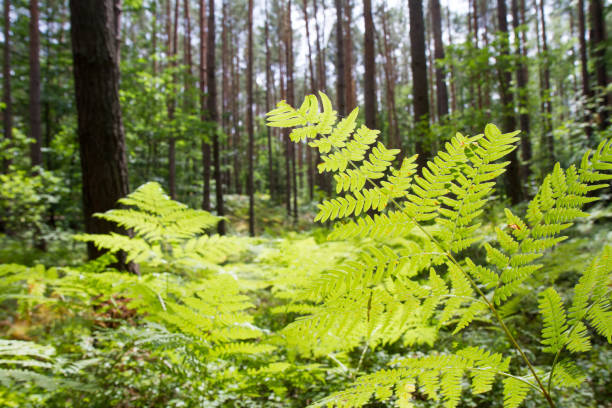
[554, 319]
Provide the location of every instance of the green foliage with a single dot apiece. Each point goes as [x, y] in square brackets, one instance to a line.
[377, 299]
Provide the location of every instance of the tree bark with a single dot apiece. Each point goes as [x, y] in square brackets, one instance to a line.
[100, 129]
[419, 80]
[291, 101]
[249, 119]
[598, 43]
[340, 60]
[547, 136]
[203, 113]
[453, 90]
[521, 84]
[349, 79]
[35, 115]
[213, 115]
[172, 37]
[370, 67]
[389, 71]
[513, 179]
[586, 85]
[441, 89]
[269, 81]
[7, 114]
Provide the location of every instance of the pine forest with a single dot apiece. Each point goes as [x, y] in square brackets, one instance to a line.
[306, 203]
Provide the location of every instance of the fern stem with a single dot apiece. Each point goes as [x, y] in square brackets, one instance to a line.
[365, 350]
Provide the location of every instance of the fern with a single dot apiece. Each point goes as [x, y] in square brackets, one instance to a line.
[437, 210]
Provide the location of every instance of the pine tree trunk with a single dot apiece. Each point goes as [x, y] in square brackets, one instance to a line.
[394, 140]
[340, 60]
[584, 66]
[599, 45]
[269, 81]
[313, 90]
[522, 90]
[291, 101]
[212, 113]
[321, 78]
[100, 130]
[7, 114]
[35, 115]
[547, 133]
[419, 80]
[441, 89]
[370, 67]
[172, 34]
[249, 119]
[203, 74]
[349, 80]
[453, 89]
[513, 179]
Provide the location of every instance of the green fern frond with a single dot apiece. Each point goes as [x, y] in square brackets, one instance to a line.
[554, 319]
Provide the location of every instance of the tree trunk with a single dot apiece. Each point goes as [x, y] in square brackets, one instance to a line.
[7, 114]
[313, 89]
[522, 90]
[35, 116]
[249, 119]
[389, 71]
[172, 34]
[269, 81]
[321, 78]
[513, 179]
[203, 73]
[212, 113]
[349, 80]
[370, 67]
[291, 101]
[599, 44]
[453, 89]
[441, 89]
[100, 130]
[547, 136]
[584, 67]
[340, 59]
[419, 80]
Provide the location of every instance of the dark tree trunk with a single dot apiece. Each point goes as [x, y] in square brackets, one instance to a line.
[441, 90]
[203, 113]
[35, 115]
[313, 89]
[212, 113]
[340, 59]
[521, 84]
[249, 119]
[321, 79]
[599, 44]
[269, 81]
[584, 67]
[291, 101]
[453, 89]
[513, 179]
[100, 130]
[389, 71]
[547, 134]
[117, 8]
[349, 80]
[172, 34]
[370, 67]
[7, 114]
[419, 80]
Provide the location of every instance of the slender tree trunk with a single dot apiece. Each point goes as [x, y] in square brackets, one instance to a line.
[235, 87]
[321, 78]
[313, 89]
[203, 113]
[117, 8]
[521, 84]
[441, 89]
[249, 83]
[282, 62]
[291, 101]
[453, 77]
[100, 130]
[340, 60]
[35, 115]
[430, 69]
[370, 66]
[172, 35]
[513, 179]
[599, 44]
[419, 80]
[269, 80]
[586, 85]
[349, 80]
[547, 134]
[389, 71]
[7, 114]
[212, 113]
[154, 39]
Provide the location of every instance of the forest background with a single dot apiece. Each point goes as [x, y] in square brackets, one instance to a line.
[101, 97]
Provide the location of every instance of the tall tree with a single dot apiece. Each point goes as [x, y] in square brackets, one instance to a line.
[349, 79]
[100, 129]
[269, 82]
[7, 114]
[213, 115]
[418, 64]
[584, 66]
[249, 81]
[35, 116]
[390, 76]
[321, 77]
[340, 60]
[203, 113]
[547, 135]
[291, 101]
[521, 85]
[441, 90]
[171, 43]
[513, 180]
[313, 89]
[370, 67]
[599, 45]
